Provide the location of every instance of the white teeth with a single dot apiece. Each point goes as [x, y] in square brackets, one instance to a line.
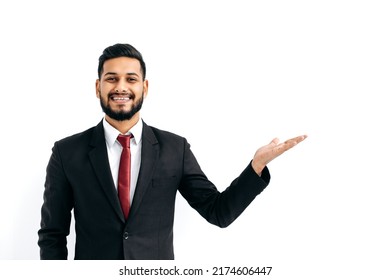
[121, 98]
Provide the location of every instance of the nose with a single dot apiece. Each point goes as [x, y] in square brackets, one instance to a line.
[117, 90]
[121, 86]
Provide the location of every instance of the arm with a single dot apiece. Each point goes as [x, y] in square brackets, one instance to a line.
[56, 211]
[219, 208]
[222, 208]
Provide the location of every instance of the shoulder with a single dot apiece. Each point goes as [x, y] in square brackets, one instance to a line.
[81, 139]
[160, 136]
[166, 134]
[77, 137]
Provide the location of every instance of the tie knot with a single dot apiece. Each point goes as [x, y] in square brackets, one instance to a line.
[124, 140]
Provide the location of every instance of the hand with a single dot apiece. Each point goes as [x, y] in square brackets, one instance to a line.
[267, 153]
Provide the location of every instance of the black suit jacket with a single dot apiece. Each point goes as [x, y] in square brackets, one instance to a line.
[79, 177]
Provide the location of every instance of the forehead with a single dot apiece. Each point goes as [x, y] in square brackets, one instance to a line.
[122, 65]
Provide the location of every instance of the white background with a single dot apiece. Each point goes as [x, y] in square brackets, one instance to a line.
[229, 76]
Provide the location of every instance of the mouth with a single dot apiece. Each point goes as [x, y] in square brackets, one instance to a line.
[120, 98]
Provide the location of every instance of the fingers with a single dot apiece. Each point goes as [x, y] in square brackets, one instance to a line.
[289, 142]
[280, 148]
[293, 141]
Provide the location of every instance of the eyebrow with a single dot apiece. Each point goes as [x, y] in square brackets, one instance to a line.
[128, 74]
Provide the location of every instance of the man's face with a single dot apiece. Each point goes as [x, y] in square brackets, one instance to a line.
[121, 88]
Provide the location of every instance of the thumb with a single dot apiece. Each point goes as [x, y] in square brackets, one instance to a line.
[275, 141]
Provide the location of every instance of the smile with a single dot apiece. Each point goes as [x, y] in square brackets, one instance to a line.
[118, 98]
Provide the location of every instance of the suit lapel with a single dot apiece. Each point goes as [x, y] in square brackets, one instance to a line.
[149, 156]
[100, 163]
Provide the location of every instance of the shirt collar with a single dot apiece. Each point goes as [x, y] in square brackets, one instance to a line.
[112, 133]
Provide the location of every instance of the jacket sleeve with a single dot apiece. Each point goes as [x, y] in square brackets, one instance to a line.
[56, 210]
[219, 208]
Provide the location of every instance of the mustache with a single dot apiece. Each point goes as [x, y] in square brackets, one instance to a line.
[131, 95]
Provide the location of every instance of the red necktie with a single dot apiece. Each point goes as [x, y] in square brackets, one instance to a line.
[124, 174]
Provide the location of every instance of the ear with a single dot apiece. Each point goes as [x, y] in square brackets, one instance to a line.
[145, 88]
[97, 88]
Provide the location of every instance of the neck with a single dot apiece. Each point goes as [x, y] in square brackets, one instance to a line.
[123, 126]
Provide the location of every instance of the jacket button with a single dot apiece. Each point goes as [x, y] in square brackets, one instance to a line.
[126, 235]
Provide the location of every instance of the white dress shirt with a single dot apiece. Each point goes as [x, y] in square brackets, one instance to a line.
[114, 150]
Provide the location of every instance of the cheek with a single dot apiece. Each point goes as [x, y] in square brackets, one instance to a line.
[140, 90]
[103, 91]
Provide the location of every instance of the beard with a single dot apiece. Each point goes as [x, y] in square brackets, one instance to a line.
[122, 115]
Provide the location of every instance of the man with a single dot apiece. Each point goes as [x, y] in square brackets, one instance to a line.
[124, 197]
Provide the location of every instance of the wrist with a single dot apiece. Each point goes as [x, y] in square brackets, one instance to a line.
[257, 167]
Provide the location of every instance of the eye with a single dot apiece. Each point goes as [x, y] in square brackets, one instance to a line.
[132, 80]
[111, 79]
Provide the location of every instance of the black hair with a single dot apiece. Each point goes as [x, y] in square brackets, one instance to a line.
[119, 50]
